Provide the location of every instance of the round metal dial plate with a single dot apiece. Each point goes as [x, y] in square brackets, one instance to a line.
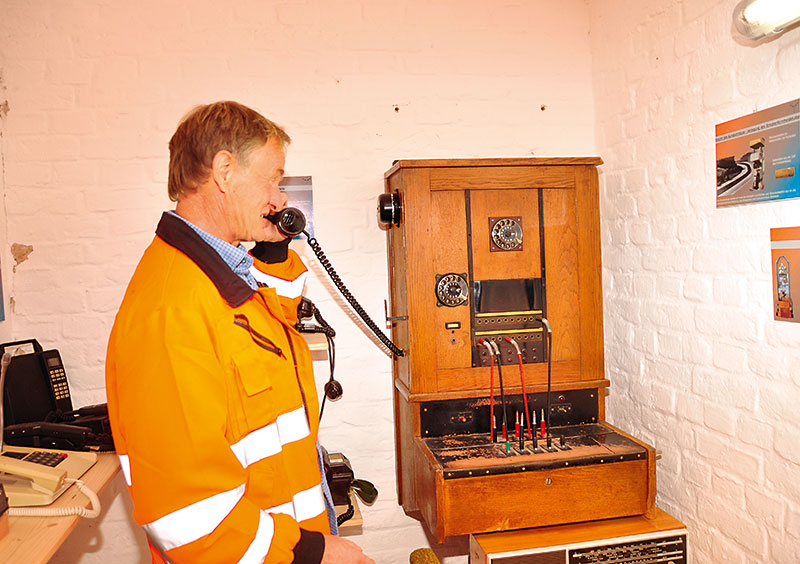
[452, 290]
[507, 234]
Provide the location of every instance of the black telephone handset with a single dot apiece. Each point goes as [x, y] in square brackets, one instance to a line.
[290, 222]
[305, 310]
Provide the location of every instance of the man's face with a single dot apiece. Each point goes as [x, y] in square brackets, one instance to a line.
[254, 193]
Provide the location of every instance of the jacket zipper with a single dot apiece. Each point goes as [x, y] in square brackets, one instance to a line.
[241, 320]
[297, 373]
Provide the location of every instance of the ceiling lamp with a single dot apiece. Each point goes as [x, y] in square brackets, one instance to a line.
[756, 19]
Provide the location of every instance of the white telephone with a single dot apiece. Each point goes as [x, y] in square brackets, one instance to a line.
[33, 476]
[38, 476]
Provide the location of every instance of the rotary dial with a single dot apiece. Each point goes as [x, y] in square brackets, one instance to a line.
[452, 290]
[507, 234]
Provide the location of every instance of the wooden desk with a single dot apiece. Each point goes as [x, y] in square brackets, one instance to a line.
[34, 540]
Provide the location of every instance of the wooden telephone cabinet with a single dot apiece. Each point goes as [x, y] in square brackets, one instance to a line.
[485, 249]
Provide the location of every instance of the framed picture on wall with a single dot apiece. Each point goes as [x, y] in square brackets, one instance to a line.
[785, 243]
[758, 156]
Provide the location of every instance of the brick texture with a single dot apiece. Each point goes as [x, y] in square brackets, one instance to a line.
[698, 367]
[95, 89]
[729, 467]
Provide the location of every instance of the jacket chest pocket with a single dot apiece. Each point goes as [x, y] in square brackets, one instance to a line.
[264, 388]
[262, 371]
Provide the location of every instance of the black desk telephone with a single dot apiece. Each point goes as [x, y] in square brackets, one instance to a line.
[341, 481]
[35, 386]
[36, 383]
[37, 406]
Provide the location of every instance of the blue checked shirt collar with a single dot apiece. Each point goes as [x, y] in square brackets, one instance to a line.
[237, 258]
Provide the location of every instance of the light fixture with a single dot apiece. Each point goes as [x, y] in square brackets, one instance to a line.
[756, 19]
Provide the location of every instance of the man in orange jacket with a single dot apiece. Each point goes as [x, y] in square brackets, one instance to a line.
[210, 388]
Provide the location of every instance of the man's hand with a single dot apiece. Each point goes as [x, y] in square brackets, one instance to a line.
[343, 551]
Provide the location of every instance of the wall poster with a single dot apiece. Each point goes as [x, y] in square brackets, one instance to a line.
[785, 243]
[757, 156]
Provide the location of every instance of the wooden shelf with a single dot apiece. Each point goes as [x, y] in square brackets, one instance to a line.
[318, 345]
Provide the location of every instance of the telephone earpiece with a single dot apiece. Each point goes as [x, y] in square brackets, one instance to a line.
[333, 390]
[305, 308]
[290, 221]
[389, 209]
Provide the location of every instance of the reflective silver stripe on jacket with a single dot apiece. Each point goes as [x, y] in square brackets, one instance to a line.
[193, 521]
[286, 288]
[257, 551]
[304, 505]
[258, 444]
[201, 518]
[269, 440]
[125, 466]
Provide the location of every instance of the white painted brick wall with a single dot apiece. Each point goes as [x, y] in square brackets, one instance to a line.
[96, 88]
[724, 377]
[697, 365]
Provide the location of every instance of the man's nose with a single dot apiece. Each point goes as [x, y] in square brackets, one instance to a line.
[280, 201]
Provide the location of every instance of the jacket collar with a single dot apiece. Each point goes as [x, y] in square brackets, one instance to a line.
[176, 233]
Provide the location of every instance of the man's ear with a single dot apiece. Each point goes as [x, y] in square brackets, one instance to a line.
[222, 166]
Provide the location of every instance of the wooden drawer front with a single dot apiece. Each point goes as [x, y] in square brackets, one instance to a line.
[547, 497]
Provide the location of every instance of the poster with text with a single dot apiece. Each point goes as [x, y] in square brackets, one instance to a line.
[785, 243]
[757, 156]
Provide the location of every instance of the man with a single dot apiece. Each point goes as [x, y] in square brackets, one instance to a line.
[210, 389]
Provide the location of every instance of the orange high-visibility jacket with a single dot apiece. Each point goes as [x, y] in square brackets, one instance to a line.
[213, 407]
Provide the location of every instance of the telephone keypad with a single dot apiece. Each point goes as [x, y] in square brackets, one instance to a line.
[51, 459]
[60, 387]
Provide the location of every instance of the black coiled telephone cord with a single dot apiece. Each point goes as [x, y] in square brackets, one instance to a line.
[348, 514]
[326, 264]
